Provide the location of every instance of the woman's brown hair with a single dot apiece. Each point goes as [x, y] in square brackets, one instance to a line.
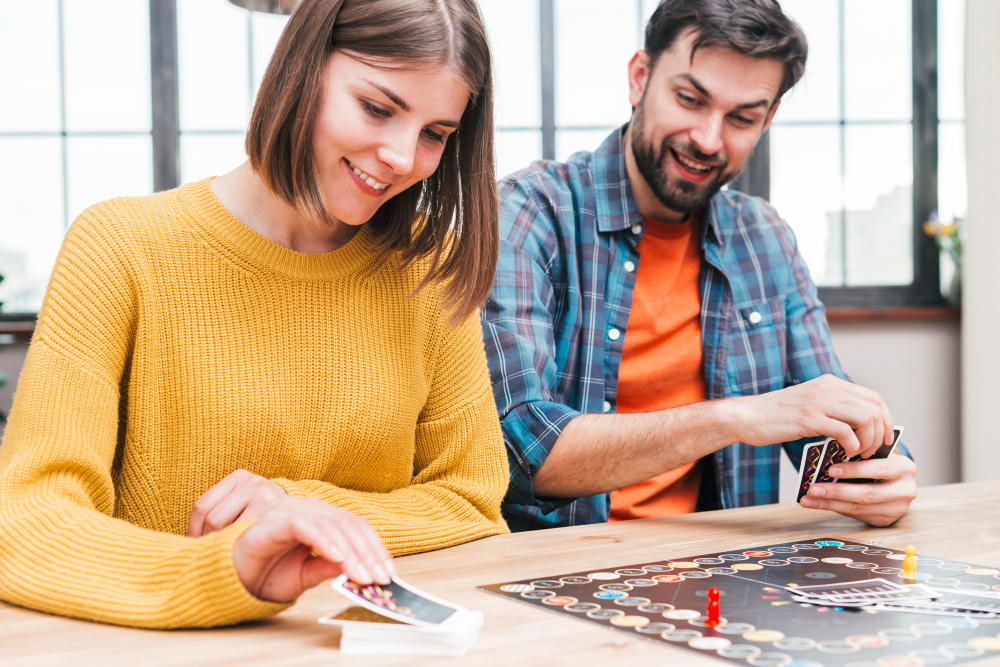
[451, 215]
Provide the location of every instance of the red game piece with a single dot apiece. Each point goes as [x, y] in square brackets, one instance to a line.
[713, 607]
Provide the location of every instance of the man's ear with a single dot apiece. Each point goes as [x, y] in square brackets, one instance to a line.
[770, 116]
[638, 76]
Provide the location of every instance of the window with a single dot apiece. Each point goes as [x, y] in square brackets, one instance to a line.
[108, 102]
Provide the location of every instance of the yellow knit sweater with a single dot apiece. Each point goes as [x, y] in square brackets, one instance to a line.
[175, 346]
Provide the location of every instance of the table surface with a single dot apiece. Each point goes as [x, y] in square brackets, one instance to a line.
[958, 521]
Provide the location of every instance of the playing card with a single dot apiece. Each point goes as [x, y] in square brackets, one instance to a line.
[833, 454]
[881, 453]
[863, 588]
[917, 608]
[397, 601]
[811, 456]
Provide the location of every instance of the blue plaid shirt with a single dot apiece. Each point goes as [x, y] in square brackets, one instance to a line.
[555, 321]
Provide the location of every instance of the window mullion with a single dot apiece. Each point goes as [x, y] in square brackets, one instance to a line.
[925, 147]
[165, 95]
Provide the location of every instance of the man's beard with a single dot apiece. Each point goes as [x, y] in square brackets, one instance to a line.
[682, 195]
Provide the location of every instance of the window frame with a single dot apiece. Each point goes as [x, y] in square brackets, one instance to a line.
[755, 179]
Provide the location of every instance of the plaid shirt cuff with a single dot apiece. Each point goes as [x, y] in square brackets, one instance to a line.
[530, 431]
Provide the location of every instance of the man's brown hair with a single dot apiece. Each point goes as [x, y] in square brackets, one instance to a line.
[452, 215]
[755, 28]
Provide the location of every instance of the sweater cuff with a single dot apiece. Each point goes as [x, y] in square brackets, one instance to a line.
[221, 584]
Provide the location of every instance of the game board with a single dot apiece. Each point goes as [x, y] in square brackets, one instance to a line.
[761, 625]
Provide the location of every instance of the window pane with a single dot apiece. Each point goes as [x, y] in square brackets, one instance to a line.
[878, 197]
[266, 31]
[101, 168]
[107, 65]
[29, 37]
[213, 54]
[594, 41]
[817, 95]
[516, 150]
[572, 141]
[952, 189]
[951, 59]
[513, 26]
[204, 155]
[809, 196]
[31, 216]
[878, 61]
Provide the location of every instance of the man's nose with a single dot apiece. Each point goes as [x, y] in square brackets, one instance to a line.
[707, 136]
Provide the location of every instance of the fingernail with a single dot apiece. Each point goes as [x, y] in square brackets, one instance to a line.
[817, 491]
[390, 567]
[381, 576]
[836, 471]
[364, 576]
[335, 553]
[808, 502]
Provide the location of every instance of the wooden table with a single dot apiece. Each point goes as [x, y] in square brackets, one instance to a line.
[959, 521]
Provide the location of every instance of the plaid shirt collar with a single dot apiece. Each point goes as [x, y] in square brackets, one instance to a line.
[616, 207]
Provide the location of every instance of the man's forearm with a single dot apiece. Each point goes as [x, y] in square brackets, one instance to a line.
[600, 453]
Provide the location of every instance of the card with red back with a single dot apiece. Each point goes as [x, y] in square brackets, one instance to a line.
[811, 456]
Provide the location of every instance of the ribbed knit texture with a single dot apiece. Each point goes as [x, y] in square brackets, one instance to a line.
[175, 346]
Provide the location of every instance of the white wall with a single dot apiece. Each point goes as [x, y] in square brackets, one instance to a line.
[915, 365]
[981, 265]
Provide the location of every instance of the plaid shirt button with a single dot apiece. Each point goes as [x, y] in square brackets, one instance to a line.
[754, 317]
[614, 334]
[629, 266]
[637, 229]
[607, 406]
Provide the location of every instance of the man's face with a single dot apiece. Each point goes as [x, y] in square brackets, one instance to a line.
[696, 121]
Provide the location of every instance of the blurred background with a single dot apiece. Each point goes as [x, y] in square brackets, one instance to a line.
[128, 97]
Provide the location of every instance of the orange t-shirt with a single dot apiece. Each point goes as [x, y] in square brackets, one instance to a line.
[661, 358]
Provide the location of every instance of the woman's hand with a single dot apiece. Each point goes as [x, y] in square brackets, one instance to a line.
[274, 557]
[240, 495]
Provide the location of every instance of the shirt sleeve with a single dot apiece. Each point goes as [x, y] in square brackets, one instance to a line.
[460, 470]
[810, 352]
[61, 548]
[518, 331]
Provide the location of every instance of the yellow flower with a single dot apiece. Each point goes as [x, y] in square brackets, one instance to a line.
[947, 229]
[929, 229]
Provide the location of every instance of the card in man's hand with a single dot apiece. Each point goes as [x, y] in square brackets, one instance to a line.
[817, 459]
[882, 452]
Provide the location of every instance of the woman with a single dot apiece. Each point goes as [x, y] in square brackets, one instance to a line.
[245, 386]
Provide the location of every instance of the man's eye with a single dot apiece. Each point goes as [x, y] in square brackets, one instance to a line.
[373, 110]
[686, 99]
[743, 120]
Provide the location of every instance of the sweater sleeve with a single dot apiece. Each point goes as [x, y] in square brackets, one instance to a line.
[460, 467]
[61, 549]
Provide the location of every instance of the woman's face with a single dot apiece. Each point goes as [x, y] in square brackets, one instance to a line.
[379, 131]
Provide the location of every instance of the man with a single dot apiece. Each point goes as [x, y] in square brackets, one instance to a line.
[649, 335]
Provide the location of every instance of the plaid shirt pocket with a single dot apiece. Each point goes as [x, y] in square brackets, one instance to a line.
[757, 348]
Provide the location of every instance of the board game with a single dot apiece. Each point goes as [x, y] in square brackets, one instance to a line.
[762, 624]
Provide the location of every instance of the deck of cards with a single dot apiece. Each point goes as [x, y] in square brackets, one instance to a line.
[818, 458]
[883, 595]
[398, 619]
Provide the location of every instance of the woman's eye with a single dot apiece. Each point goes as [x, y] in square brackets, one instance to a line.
[373, 110]
[434, 136]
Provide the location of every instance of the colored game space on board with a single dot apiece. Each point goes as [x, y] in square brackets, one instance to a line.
[816, 603]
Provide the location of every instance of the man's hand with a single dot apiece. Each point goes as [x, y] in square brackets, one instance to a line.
[824, 407]
[877, 504]
[240, 495]
[274, 557]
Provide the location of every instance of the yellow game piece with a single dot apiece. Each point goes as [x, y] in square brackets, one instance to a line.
[910, 563]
